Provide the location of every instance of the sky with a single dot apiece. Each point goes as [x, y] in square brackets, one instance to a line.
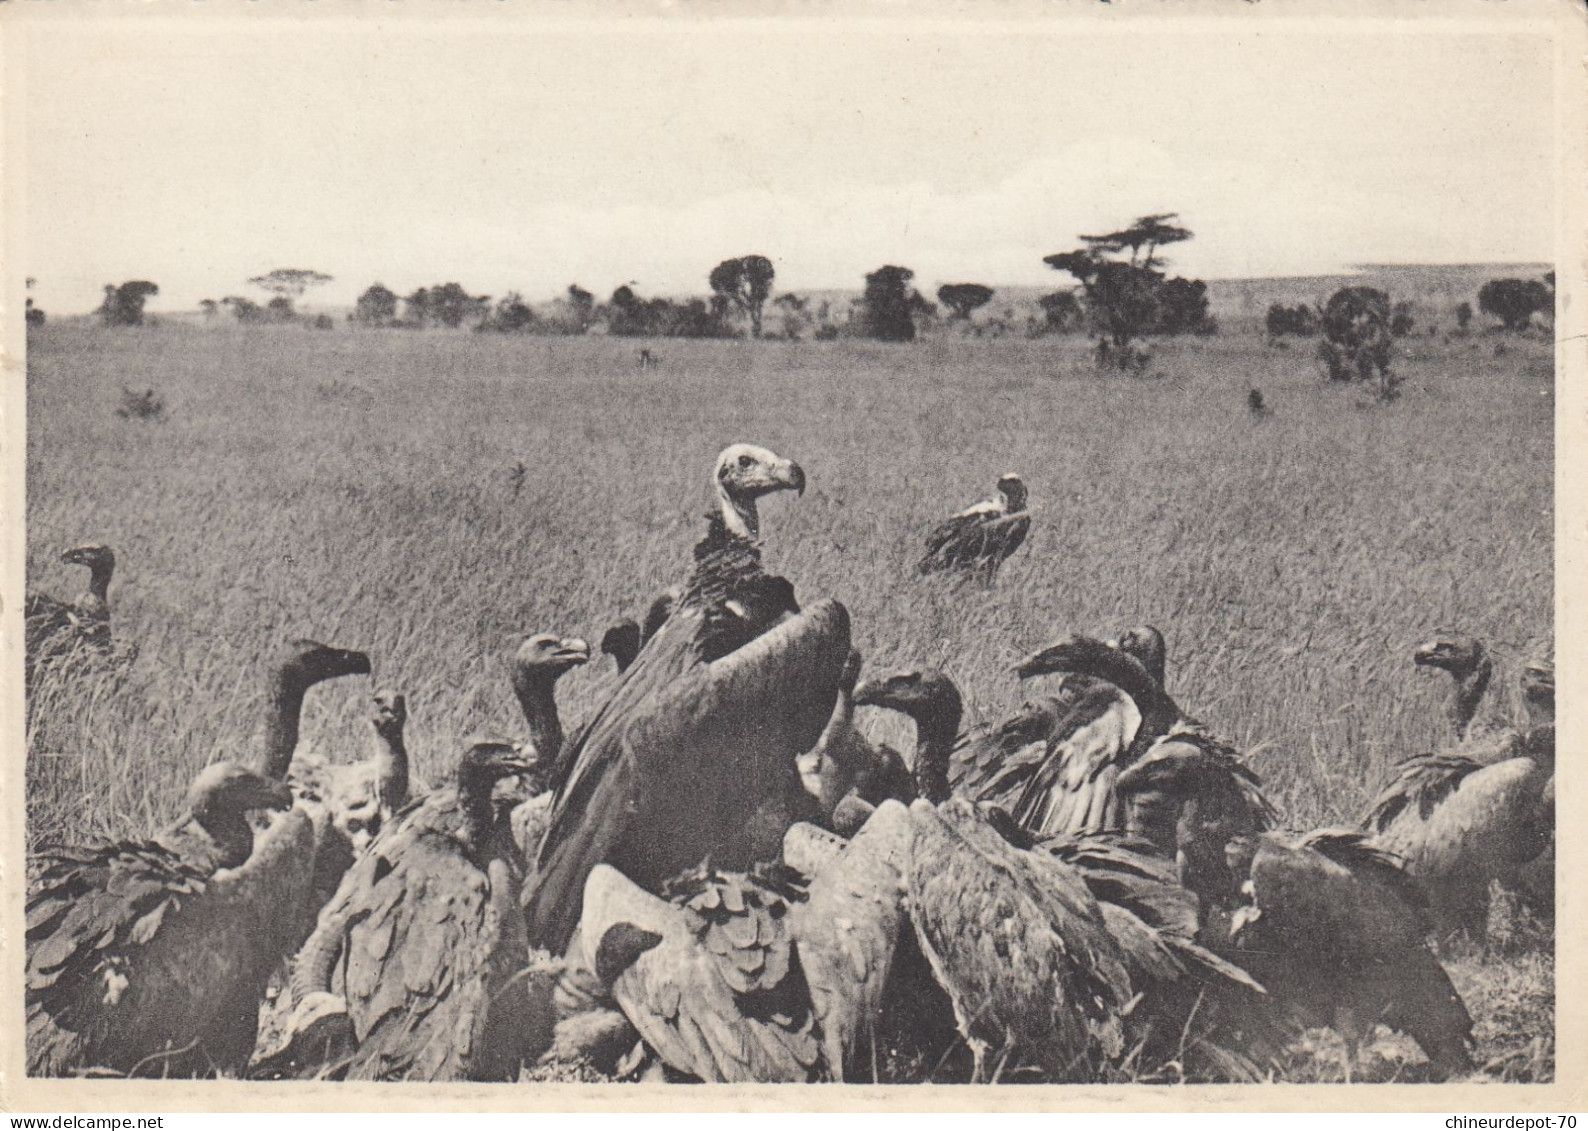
[526, 155]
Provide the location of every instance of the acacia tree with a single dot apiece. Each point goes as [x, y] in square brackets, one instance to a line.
[1122, 295]
[747, 283]
[885, 309]
[123, 305]
[963, 298]
[288, 283]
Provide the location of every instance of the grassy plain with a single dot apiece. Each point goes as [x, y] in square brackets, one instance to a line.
[358, 487]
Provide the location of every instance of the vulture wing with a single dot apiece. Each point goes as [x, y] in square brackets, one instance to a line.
[1018, 942]
[847, 928]
[705, 767]
[145, 965]
[709, 985]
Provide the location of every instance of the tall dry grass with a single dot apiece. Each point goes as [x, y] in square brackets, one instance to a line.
[358, 488]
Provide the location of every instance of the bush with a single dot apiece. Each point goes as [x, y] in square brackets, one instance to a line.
[1300, 320]
[323, 322]
[1356, 330]
[145, 405]
[1514, 301]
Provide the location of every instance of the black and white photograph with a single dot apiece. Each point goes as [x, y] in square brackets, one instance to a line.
[587, 550]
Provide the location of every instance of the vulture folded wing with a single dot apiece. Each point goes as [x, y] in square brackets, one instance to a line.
[706, 767]
[1422, 783]
[1072, 791]
[419, 970]
[847, 928]
[1017, 941]
[679, 993]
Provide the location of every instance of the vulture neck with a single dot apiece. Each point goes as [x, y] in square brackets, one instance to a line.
[228, 828]
[739, 515]
[936, 725]
[282, 711]
[99, 581]
[391, 767]
[1469, 693]
[479, 807]
[536, 691]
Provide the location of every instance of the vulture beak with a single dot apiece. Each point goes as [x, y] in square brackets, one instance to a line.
[272, 795]
[572, 651]
[789, 474]
[1425, 655]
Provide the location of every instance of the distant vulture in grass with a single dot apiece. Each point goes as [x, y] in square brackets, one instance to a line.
[980, 538]
[1468, 663]
[54, 629]
[694, 753]
[149, 958]
[425, 941]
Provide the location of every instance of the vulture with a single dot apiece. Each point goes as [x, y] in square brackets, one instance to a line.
[705, 766]
[1343, 938]
[54, 629]
[425, 941]
[1460, 823]
[1054, 764]
[1538, 690]
[693, 755]
[1336, 929]
[1014, 937]
[365, 795]
[149, 958]
[979, 538]
[1468, 663]
[299, 666]
[841, 758]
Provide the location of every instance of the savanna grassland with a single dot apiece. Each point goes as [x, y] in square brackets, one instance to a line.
[360, 488]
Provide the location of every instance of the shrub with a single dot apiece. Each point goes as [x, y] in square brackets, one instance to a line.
[1514, 301]
[145, 405]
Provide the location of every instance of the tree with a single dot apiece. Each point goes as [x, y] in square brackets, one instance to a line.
[1401, 320]
[963, 298]
[1514, 301]
[1356, 332]
[885, 307]
[418, 305]
[288, 283]
[746, 282]
[449, 304]
[209, 307]
[377, 306]
[582, 303]
[1062, 312]
[1183, 307]
[512, 315]
[1463, 316]
[245, 309]
[1150, 232]
[123, 305]
[279, 309]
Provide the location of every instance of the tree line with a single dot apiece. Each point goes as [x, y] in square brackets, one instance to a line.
[1122, 292]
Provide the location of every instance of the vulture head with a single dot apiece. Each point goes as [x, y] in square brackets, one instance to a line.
[304, 663]
[744, 473]
[550, 657]
[226, 788]
[920, 694]
[1013, 489]
[622, 642]
[1146, 644]
[391, 713]
[1538, 689]
[485, 763]
[1458, 655]
[100, 562]
[221, 797]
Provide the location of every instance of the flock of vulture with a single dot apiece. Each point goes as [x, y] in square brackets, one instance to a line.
[718, 877]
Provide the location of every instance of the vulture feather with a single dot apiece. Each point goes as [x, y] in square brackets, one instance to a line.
[980, 538]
